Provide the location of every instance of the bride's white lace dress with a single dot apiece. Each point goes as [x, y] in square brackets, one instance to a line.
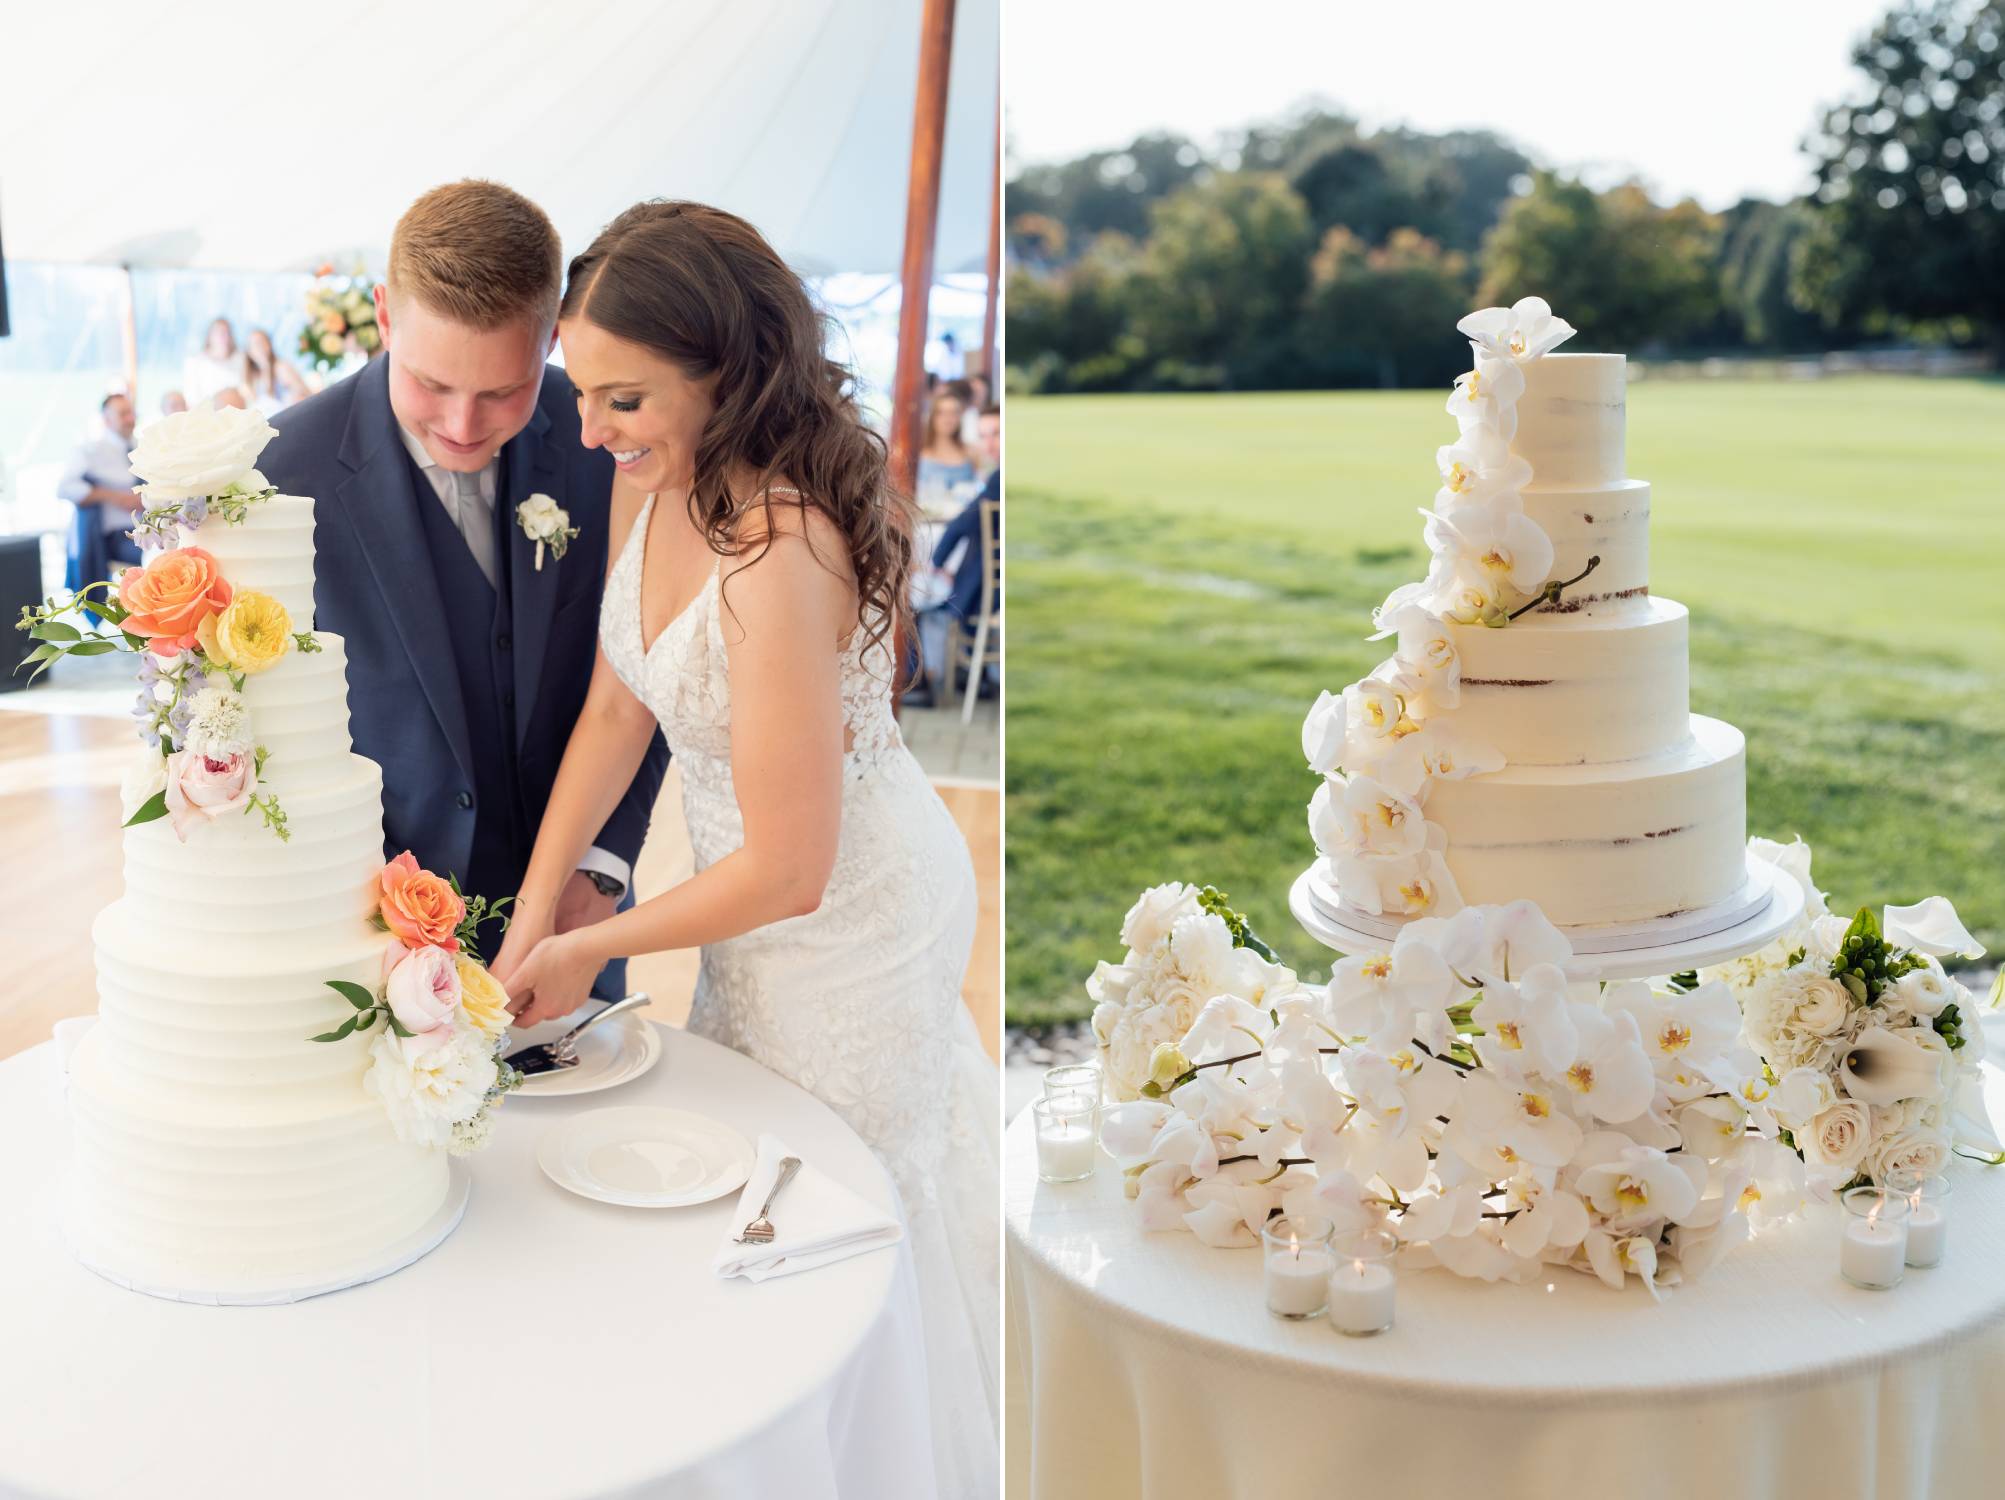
[858, 1002]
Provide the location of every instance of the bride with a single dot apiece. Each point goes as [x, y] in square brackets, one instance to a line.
[759, 560]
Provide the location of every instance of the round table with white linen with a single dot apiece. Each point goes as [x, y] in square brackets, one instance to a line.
[552, 1346]
[1146, 1365]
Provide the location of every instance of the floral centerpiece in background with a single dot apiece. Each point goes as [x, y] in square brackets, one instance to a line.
[436, 1063]
[340, 316]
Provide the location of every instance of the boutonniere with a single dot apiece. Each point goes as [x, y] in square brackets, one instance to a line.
[547, 524]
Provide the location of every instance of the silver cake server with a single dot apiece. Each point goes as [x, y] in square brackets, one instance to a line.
[553, 1057]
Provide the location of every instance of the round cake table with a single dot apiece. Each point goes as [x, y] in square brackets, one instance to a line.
[1146, 1365]
[552, 1346]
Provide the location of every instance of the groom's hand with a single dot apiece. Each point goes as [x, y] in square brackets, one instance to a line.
[582, 904]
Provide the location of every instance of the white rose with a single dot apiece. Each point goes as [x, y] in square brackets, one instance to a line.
[199, 453]
[1926, 991]
[145, 778]
[542, 518]
[1838, 1136]
[1909, 1151]
[1149, 920]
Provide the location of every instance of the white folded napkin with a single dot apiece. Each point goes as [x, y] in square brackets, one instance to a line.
[819, 1221]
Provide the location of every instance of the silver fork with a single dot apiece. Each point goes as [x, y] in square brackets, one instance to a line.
[760, 1230]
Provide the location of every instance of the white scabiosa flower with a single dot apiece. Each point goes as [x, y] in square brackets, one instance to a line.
[218, 724]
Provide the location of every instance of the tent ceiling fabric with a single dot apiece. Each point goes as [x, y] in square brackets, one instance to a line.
[274, 137]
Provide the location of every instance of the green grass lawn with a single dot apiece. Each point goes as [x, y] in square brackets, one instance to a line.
[1186, 572]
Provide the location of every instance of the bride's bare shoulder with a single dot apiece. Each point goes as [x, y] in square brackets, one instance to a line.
[783, 514]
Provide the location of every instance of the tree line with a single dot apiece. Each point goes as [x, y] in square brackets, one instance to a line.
[1315, 253]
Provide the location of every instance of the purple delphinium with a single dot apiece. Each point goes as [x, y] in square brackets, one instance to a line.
[194, 512]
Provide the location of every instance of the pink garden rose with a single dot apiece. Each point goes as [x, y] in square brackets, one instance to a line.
[202, 787]
[423, 991]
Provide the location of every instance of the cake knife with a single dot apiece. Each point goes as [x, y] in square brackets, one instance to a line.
[552, 1057]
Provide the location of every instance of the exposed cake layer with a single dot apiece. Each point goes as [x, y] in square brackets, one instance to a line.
[247, 1196]
[1611, 522]
[234, 879]
[299, 713]
[1570, 420]
[1621, 842]
[1565, 690]
[269, 552]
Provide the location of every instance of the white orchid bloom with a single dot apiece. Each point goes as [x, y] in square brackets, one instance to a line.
[1793, 859]
[1384, 996]
[1515, 939]
[1437, 753]
[1479, 1256]
[1547, 1216]
[1885, 1067]
[1158, 1191]
[1228, 1215]
[1444, 1215]
[1677, 1029]
[1524, 1120]
[1523, 331]
[1376, 718]
[1494, 540]
[1610, 1077]
[1640, 1187]
[1529, 1026]
[1428, 657]
[1487, 396]
[1129, 1131]
[1613, 1258]
[1714, 1127]
[1413, 885]
[1477, 466]
[1931, 927]
[1363, 816]
[1775, 1183]
[1323, 733]
[1334, 1195]
[1695, 1250]
[1225, 1026]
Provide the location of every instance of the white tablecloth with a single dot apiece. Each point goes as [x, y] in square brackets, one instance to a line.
[552, 1346]
[1147, 1365]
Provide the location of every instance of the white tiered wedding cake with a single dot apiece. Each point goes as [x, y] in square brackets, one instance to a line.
[243, 1128]
[1531, 738]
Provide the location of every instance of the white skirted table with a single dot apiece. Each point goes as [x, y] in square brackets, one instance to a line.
[553, 1346]
[1146, 1365]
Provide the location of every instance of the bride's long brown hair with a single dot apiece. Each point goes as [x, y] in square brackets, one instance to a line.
[702, 288]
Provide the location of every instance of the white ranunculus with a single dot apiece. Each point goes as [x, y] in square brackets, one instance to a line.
[145, 778]
[1523, 331]
[1925, 991]
[200, 452]
[1149, 920]
[1823, 1006]
[1838, 1136]
[428, 1090]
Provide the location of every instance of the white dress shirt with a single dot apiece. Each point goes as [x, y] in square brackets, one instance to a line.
[100, 461]
[469, 502]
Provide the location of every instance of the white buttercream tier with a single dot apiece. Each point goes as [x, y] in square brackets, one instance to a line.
[1627, 841]
[1570, 420]
[299, 712]
[269, 552]
[1611, 522]
[1568, 690]
[263, 1195]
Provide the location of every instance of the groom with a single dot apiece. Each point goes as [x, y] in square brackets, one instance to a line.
[468, 663]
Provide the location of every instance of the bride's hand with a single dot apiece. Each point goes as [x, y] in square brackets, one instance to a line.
[524, 933]
[553, 980]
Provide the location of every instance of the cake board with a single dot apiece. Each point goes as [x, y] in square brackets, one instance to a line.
[1766, 907]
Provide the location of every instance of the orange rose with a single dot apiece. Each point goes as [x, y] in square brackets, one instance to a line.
[419, 908]
[169, 599]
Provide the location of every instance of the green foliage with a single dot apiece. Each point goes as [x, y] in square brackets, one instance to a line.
[1215, 901]
[1187, 572]
[1866, 964]
[1911, 177]
[1375, 316]
[1625, 272]
[478, 910]
[152, 808]
[57, 637]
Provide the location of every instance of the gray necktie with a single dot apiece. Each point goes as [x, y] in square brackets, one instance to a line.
[475, 519]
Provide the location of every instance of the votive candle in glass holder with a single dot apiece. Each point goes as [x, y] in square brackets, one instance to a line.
[1875, 1243]
[1299, 1263]
[1082, 1079]
[1363, 1288]
[1068, 1134]
[1928, 1216]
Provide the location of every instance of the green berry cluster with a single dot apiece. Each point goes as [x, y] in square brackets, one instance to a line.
[1866, 964]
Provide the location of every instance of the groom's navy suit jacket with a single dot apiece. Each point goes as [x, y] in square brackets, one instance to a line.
[465, 694]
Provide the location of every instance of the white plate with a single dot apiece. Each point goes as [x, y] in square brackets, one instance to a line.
[646, 1157]
[610, 1054]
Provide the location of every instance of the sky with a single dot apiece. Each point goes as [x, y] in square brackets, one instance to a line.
[1708, 99]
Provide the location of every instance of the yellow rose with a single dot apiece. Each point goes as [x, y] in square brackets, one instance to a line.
[251, 634]
[330, 344]
[482, 998]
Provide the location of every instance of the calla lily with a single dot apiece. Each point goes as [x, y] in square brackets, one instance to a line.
[1930, 927]
[1882, 1068]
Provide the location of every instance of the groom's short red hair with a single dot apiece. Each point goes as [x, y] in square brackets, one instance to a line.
[480, 254]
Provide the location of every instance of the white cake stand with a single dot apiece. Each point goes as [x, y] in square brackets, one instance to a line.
[1760, 913]
[414, 1246]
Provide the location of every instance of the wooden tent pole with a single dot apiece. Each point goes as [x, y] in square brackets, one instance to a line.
[995, 260]
[129, 332]
[922, 212]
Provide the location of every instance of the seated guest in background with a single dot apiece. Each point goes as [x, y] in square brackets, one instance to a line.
[98, 481]
[957, 563]
[266, 382]
[230, 395]
[218, 365]
[172, 404]
[981, 397]
[944, 460]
